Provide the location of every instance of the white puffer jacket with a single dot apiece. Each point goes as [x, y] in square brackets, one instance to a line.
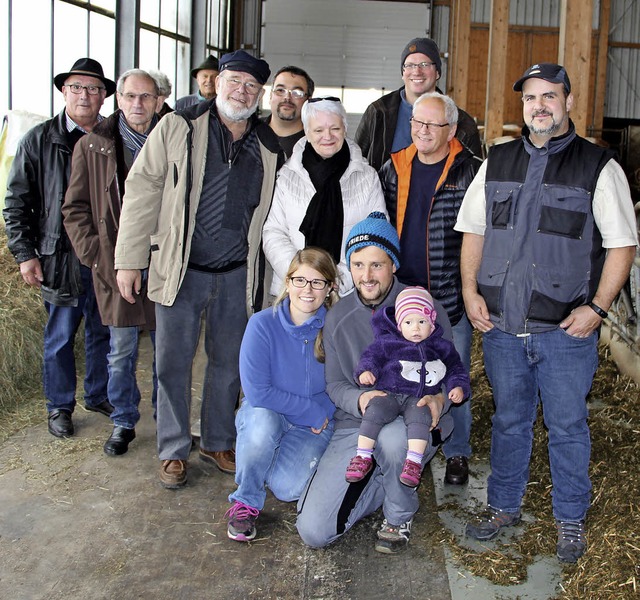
[281, 238]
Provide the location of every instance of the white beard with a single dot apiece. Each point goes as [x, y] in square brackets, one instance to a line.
[234, 114]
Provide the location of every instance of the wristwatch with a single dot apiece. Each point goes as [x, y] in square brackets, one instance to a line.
[596, 309]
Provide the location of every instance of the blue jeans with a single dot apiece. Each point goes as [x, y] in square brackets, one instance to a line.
[220, 298]
[329, 506]
[59, 363]
[458, 444]
[271, 451]
[124, 394]
[557, 369]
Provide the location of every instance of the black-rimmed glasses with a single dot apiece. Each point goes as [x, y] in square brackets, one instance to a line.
[420, 124]
[316, 284]
[320, 99]
[92, 90]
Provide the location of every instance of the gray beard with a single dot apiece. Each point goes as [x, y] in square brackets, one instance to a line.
[553, 128]
[229, 112]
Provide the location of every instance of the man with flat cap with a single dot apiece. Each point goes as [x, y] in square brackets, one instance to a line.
[35, 191]
[195, 202]
[385, 125]
[205, 74]
[549, 238]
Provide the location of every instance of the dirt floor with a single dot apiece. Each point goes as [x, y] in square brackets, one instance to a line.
[75, 523]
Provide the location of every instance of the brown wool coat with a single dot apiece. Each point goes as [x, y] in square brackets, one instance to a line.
[91, 212]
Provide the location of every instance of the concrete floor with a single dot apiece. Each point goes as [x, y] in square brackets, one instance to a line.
[75, 523]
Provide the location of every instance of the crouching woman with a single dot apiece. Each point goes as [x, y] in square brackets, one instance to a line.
[286, 418]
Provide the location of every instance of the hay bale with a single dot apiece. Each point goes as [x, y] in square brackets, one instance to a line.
[611, 567]
[22, 319]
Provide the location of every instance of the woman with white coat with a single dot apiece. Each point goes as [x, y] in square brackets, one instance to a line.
[322, 191]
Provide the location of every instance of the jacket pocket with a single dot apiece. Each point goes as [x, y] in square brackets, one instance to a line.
[565, 213]
[162, 250]
[555, 293]
[502, 207]
[491, 276]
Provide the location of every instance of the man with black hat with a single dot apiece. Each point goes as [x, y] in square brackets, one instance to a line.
[195, 202]
[35, 190]
[549, 238]
[330, 505]
[205, 74]
[384, 127]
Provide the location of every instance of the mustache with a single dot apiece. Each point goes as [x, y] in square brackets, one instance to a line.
[541, 113]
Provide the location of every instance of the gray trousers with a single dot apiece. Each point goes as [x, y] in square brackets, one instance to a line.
[220, 299]
[385, 409]
[330, 506]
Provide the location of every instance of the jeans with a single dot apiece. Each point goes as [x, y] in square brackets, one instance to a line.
[59, 363]
[124, 394]
[220, 298]
[329, 506]
[272, 451]
[458, 444]
[557, 369]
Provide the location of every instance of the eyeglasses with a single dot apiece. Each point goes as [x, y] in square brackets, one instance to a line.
[143, 97]
[320, 99]
[295, 93]
[420, 65]
[316, 284]
[418, 125]
[92, 90]
[249, 86]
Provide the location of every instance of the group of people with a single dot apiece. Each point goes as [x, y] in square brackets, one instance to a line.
[339, 283]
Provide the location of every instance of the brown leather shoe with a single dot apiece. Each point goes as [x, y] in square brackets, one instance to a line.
[225, 460]
[173, 474]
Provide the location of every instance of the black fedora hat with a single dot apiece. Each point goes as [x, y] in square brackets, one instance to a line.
[211, 63]
[89, 67]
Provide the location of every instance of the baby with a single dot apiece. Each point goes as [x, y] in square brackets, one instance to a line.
[408, 359]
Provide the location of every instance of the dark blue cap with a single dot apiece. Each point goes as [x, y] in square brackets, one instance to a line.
[243, 61]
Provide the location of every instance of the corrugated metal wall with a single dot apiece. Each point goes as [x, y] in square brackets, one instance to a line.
[347, 43]
[623, 69]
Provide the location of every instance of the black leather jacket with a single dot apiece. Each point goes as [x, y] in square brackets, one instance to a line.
[378, 126]
[35, 192]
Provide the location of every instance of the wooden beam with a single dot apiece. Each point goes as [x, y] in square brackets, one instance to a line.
[496, 70]
[574, 52]
[601, 64]
[461, 23]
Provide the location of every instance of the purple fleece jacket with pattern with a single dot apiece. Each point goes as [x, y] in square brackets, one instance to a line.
[415, 369]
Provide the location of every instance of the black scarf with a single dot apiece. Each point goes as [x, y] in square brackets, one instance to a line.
[322, 225]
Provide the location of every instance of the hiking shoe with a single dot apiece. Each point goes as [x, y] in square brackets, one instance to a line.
[242, 522]
[490, 522]
[173, 474]
[571, 541]
[358, 468]
[411, 472]
[393, 538]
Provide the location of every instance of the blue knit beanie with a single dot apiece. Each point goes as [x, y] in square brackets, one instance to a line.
[375, 230]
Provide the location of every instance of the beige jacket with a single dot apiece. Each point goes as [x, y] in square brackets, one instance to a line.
[161, 200]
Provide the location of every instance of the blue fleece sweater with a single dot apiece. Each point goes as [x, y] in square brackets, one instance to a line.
[278, 369]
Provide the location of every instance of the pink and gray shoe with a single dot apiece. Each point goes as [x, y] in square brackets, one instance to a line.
[358, 468]
[242, 522]
[411, 473]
